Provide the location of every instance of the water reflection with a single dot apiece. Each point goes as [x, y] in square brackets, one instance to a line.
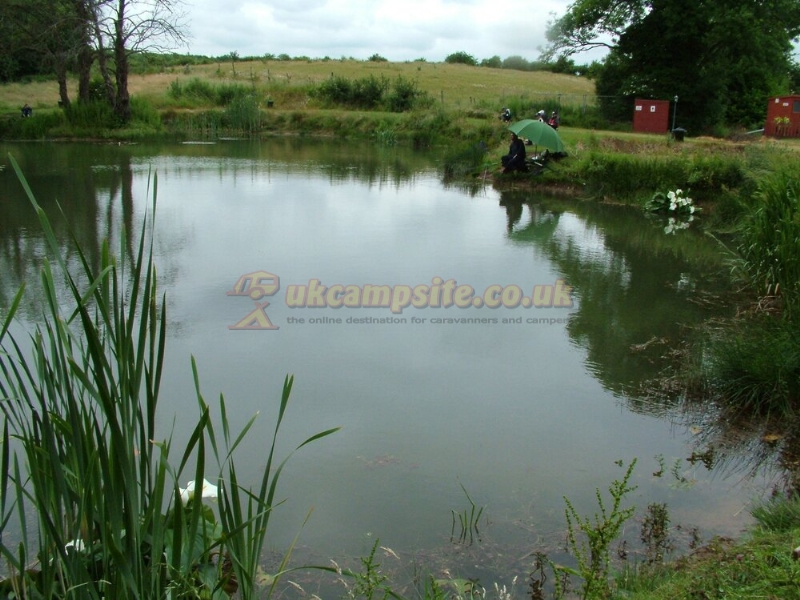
[636, 288]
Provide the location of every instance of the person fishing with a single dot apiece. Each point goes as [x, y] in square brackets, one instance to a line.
[515, 159]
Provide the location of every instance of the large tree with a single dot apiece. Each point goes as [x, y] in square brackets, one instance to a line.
[130, 26]
[722, 58]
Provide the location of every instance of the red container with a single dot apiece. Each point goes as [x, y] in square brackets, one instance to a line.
[783, 117]
[651, 116]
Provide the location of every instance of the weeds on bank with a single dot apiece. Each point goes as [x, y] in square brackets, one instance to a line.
[593, 553]
[86, 477]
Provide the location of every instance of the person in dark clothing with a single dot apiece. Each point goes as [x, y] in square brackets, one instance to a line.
[27, 111]
[515, 159]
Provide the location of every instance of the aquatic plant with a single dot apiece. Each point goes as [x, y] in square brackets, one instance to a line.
[467, 520]
[673, 202]
[89, 496]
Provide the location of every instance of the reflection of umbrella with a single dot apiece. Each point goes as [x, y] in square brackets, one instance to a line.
[538, 133]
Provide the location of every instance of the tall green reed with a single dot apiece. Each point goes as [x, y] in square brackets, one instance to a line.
[770, 239]
[86, 477]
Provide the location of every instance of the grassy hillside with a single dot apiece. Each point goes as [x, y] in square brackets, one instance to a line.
[454, 85]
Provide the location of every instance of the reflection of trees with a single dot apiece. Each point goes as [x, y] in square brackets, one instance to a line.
[637, 290]
[80, 199]
[635, 286]
[340, 160]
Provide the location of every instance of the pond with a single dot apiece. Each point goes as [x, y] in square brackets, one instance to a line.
[474, 345]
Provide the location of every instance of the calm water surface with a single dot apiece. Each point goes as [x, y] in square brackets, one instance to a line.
[521, 413]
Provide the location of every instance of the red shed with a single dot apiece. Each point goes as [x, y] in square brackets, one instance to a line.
[651, 116]
[783, 117]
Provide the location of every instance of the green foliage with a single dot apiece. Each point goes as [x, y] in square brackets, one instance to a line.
[770, 239]
[243, 114]
[754, 366]
[199, 92]
[95, 114]
[664, 49]
[495, 62]
[377, 58]
[89, 480]
[673, 202]
[519, 63]
[467, 520]
[760, 566]
[462, 160]
[461, 58]
[594, 552]
[778, 514]
[371, 93]
[369, 583]
[144, 114]
[405, 95]
[34, 128]
[365, 93]
[655, 533]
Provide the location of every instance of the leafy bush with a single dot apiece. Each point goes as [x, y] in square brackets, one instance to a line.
[495, 62]
[405, 95]
[461, 58]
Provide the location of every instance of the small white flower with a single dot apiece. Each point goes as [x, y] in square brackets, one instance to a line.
[77, 544]
[208, 491]
[671, 195]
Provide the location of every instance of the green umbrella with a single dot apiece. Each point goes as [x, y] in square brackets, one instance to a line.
[539, 133]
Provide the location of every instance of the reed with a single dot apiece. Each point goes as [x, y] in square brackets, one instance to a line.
[87, 478]
[770, 239]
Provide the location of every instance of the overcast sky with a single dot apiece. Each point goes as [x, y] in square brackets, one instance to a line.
[398, 30]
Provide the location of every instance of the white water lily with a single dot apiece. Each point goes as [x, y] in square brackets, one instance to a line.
[77, 544]
[208, 491]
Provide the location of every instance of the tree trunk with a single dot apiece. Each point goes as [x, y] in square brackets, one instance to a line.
[61, 76]
[102, 59]
[123, 104]
[85, 60]
[85, 52]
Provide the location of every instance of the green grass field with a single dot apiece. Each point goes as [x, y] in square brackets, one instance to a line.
[454, 85]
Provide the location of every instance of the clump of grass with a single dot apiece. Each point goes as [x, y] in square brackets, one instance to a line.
[754, 366]
[770, 239]
[86, 477]
[778, 515]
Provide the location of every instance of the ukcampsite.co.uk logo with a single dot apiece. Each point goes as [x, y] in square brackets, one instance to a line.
[440, 293]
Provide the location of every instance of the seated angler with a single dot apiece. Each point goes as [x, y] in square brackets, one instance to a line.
[515, 159]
